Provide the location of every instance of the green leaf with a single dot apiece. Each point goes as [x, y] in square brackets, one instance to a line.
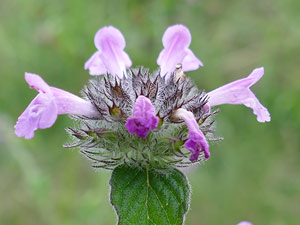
[144, 196]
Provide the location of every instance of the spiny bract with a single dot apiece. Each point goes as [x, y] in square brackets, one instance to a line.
[106, 142]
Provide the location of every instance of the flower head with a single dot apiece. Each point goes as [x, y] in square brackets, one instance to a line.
[110, 57]
[238, 92]
[43, 110]
[120, 108]
[176, 41]
[143, 118]
[132, 107]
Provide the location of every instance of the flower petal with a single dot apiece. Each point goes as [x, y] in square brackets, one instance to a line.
[43, 110]
[177, 34]
[190, 61]
[36, 82]
[111, 34]
[143, 119]
[176, 42]
[67, 103]
[95, 65]
[110, 56]
[244, 223]
[40, 114]
[196, 144]
[238, 92]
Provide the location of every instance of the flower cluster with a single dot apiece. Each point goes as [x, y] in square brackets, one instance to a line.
[129, 115]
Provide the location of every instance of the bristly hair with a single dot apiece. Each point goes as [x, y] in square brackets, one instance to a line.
[107, 143]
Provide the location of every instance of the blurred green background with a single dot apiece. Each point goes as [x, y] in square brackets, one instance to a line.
[252, 175]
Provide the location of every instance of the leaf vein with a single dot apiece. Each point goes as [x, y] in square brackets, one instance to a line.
[160, 202]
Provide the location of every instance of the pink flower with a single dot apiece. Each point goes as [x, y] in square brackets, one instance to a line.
[44, 108]
[176, 41]
[143, 119]
[244, 223]
[196, 142]
[238, 92]
[110, 57]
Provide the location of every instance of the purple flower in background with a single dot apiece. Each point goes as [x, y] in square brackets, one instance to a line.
[43, 110]
[196, 142]
[238, 92]
[244, 223]
[143, 118]
[110, 57]
[176, 41]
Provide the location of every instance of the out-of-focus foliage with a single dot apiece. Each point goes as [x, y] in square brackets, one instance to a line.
[252, 175]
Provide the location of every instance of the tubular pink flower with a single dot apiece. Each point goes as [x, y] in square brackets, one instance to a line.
[196, 142]
[110, 57]
[176, 41]
[143, 118]
[238, 92]
[43, 110]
